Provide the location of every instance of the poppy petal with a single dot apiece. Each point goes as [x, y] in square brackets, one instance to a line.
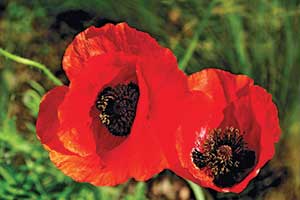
[107, 39]
[167, 88]
[84, 169]
[47, 125]
[94, 170]
[226, 87]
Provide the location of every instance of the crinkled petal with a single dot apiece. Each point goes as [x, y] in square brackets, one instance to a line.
[89, 169]
[107, 39]
[167, 88]
[223, 87]
[47, 125]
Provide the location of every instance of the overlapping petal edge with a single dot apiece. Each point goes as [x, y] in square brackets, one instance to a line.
[68, 124]
[236, 102]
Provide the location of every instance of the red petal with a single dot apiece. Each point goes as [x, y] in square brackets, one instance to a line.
[47, 126]
[266, 113]
[113, 171]
[167, 87]
[220, 85]
[85, 169]
[108, 39]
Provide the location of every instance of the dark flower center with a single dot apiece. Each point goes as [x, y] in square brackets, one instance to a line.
[225, 157]
[117, 106]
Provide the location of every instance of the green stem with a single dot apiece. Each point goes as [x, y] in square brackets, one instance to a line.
[32, 63]
[192, 46]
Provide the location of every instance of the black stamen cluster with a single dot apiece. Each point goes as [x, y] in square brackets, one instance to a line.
[225, 157]
[117, 106]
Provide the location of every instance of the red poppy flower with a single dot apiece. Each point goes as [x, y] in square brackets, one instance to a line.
[226, 138]
[100, 129]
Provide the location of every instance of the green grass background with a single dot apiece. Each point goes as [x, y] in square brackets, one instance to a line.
[260, 38]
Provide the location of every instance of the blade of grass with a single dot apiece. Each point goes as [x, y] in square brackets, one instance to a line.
[237, 32]
[290, 52]
[4, 98]
[140, 189]
[198, 192]
[37, 87]
[32, 63]
[7, 176]
[193, 44]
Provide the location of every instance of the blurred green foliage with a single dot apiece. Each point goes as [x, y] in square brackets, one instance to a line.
[259, 38]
